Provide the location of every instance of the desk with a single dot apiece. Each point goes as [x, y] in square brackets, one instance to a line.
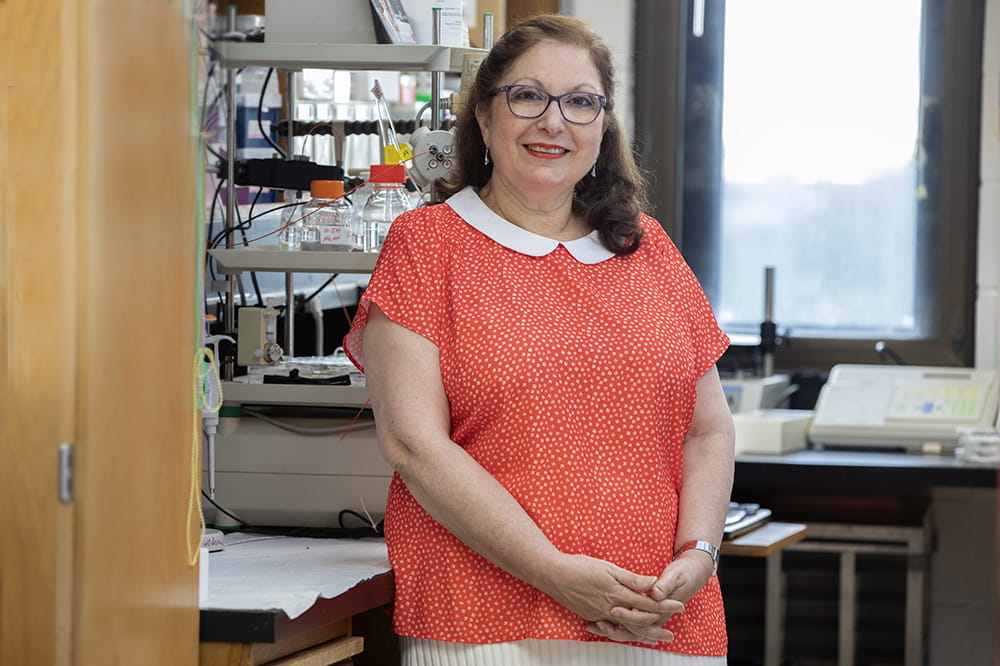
[768, 542]
[894, 496]
[863, 469]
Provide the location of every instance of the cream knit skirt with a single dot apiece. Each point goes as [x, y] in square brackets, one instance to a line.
[534, 652]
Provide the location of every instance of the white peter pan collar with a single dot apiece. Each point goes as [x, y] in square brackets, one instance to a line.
[468, 205]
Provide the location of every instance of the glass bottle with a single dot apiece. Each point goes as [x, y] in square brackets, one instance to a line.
[327, 225]
[386, 202]
[290, 236]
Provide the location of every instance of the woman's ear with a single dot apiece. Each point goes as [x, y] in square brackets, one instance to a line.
[483, 119]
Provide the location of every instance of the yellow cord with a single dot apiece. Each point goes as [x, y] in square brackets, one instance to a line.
[199, 376]
[195, 16]
[210, 373]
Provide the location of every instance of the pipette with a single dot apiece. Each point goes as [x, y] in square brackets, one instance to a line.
[393, 151]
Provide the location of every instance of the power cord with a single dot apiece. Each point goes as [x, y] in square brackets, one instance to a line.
[302, 430]
[260, 115]
[370, 529]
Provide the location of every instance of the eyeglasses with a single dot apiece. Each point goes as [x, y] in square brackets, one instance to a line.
[579, 108]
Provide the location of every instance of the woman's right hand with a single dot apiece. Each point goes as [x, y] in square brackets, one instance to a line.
[592, 588]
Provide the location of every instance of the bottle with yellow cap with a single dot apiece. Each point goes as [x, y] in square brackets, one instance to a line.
[327, 222]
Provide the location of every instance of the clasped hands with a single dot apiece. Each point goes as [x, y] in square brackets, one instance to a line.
[625, 606]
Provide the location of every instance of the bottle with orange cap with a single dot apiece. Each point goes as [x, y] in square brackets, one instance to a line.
[327, 218]
[387, 201]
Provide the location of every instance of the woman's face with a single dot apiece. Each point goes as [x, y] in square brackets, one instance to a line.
[544, 156]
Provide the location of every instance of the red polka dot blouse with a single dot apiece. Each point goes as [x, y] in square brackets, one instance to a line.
[570, 373]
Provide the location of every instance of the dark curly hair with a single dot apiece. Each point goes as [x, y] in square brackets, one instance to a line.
[609, 201]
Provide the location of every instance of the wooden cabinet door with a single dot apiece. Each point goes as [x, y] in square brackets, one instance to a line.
[98, 332]
[522, 9]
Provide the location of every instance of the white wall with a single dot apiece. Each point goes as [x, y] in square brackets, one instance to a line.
[964, 596]
[988, 296]
[613, 22]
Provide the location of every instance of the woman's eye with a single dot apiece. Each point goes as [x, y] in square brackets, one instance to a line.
[582, 101]
[525, 95]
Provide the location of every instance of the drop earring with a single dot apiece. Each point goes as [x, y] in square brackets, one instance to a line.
[593, 171]
[486, 158]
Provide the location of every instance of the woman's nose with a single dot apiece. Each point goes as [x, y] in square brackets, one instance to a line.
[552, 117]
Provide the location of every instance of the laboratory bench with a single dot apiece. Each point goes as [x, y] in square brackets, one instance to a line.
[252, 637]
[863, 468]
[848, 503]
[296, 602]
[859, 587]
[853, 485]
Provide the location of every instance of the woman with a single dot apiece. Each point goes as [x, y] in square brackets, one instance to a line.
[541, 364]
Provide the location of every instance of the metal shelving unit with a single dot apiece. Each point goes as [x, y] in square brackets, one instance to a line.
[360, 57]
[240, 393]
[271, 258]
[293, 57]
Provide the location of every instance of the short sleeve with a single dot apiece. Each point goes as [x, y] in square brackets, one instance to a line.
[708, 341]
[408, 283]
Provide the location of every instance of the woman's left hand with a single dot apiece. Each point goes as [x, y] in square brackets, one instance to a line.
[680, 581]
[635, 626]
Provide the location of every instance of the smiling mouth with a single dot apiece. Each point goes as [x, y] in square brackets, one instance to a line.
[548, 150]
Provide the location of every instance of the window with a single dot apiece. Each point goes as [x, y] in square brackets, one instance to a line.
[820, 153]
[835, 141]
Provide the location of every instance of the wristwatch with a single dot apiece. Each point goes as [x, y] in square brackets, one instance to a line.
[709, 548]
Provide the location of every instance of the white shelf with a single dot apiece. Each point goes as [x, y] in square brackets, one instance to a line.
[271, 258]
[238, 393]
[401, 57]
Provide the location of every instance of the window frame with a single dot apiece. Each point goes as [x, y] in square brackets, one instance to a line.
[660, 101]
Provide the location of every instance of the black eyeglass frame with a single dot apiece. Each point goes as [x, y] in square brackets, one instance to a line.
[558, 99]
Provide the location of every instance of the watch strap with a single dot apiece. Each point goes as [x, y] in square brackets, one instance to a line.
[705, 546]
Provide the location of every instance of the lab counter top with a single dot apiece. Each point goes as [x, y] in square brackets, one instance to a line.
[860, 469]
[848, 486]
[278, 591]
[274, 626]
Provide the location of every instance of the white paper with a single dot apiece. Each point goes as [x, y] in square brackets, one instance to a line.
[257, 572]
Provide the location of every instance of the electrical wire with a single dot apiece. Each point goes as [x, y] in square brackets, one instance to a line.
[211, 221]
[242, 523]
[243, 232]
[211, 212]
[202, 124]
[260, 115]
[320, 288]
[285, 226]
[371, 528]
[420, 113]
[319, 532]
[302, 430]
[253, 203]
[219, 237]
[351, 512]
